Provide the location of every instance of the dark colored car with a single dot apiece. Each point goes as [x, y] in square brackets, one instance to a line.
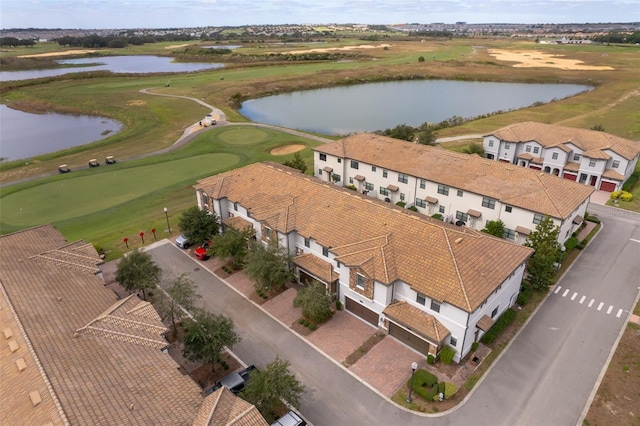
[290, 419]
[235, 382]
[201, 252]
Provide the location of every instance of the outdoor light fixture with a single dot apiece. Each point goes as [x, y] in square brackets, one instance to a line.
[414, 367]
[166, 215]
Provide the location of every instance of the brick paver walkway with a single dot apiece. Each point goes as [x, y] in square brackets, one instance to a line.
[341, 335]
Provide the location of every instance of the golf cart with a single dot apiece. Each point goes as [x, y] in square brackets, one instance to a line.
[63, 168]
[93, 163]
[109, 160]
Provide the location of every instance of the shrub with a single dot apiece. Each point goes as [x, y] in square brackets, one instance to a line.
[437, 216]
[312, 326]
[570, 244]
[629, 184]
[592, 218]
[626, 196]
[505, 319]
[615, 195]
[524, 295]
[423, 378]
[305, 323]
[401, 204]
[412, 208]
[351, 187]
[431, 359]
[449, 390]
[581, 245]
[301, 321]
[446, 354]
[441, 387]
[338, 305]
[474, 346]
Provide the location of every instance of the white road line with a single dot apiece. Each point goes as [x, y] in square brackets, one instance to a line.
[565, 293]
[558, 289]
[600, 305]
[634, 240]
[574, 295]
[591, 303]
[619, 313]
[610, 309]
[582, 299]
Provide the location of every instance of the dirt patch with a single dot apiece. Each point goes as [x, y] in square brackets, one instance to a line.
[345, 48]
[66, 52]
[616, 401]
[205, 377]
[537, 59]
[287, 149]
[300, 329]
[136, 102]
[176, 46]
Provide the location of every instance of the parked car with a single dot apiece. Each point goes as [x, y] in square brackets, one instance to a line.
[93, 163]
[63, 168]
[235, 382]
[201, 252]
[182, 242]
[290, 419]
[109, 160]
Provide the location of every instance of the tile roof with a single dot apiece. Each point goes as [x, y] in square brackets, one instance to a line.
[96, 379]
[318, 267]
[612, 174]
[238, 223]
[448, 263]
[485, 323]
[517, 186]
[418, 321]
[223, 408]
[550, 135]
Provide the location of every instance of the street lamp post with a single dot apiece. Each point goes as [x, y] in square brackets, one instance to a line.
[414, 366]
[166, 215]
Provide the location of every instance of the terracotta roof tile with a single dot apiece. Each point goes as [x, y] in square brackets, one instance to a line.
[223, 408]
[485, 323]
[238, 223]
[572, 166]
[612, 174]
[387, 242]
[316, 266]
[418, 321]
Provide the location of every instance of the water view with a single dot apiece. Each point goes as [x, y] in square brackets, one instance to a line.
[378, 106]
[117, 64]
[26, 135]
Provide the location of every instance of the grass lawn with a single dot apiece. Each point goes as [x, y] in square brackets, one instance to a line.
[105, 205]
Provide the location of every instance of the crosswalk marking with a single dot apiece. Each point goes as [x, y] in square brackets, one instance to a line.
[591, 303]
[574, 295]
[558, 289]
[619, 313]
[565, 293]
[600, 305]
[582, 299]
[610, 309]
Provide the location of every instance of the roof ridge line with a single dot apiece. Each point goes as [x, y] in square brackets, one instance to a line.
[133, 322]
[119, 333]
[455, 264]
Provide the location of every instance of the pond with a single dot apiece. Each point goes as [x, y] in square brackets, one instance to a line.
[379, 106]
[139, 64]
[26, 135]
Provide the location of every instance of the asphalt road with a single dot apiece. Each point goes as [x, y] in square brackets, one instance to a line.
[546, 376]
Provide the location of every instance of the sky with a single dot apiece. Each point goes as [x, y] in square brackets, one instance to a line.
[120, 14]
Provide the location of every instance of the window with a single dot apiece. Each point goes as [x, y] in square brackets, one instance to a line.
[453, 341]
[360, 281]
[402, 178]
[401, 196]
[339, 160]
[435, 306]
[384, 191]
[508, 209]
[423, 184]
[354, 164]
[235, 206]
[494, 312]
[507, 145]
[490, 143]
[323, 157]
[421, 203]
[460, 193]
[528, 149]
[325, 252]
[307, 242]
[205, 199]
[536, 149]
[384, 173]
[537, 218]
[489, 203]
[373, 168]
[319, 172]
[267, 232]
[509, 234]
[592, 163]
[462, 216]
[351, 180]
[615, 164]
[421, 299]
[368, 186]
[336, 177]
[576, 157]
[443, 189]
[554, 156]
[441, 209]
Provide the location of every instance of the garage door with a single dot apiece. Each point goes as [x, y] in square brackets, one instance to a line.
[570, 176]
[535, 167]
[607, 186]
[362, 311]
[409, 338]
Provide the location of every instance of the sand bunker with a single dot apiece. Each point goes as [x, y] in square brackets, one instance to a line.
[330, 49]
[136, 102]
[537, 59]
[176, 46]
[66, 52]
[287, 149]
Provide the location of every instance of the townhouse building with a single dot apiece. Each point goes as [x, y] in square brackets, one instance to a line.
[464, 189]
[425, 282]
[590, 157]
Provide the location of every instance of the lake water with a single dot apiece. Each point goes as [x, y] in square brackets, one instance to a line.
[25, 135]
[140, 64]
[379, 106]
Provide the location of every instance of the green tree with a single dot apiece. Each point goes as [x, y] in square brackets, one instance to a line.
[297, 163]
[426, 137]
[401, 131]
[180, 296]
[475, 148]
[495, 228]
[268, 266]
[138, 272]
[206, 337]
[269, 387]
[315, 301]
[198, 225]
[541, 268]
[232, 244]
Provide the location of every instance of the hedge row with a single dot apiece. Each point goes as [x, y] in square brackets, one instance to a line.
[426, 385]
[505, 319]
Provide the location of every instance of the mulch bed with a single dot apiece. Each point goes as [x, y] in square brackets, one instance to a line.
[364, 348]
[205, 377]
[225, 271]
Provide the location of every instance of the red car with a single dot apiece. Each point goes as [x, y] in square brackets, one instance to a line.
[201, 252]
